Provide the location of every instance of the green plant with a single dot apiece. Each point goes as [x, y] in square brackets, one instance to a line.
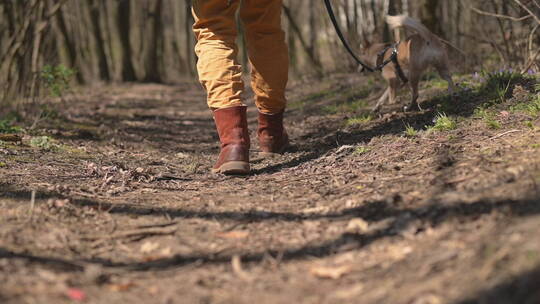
[488, 117]
[346, 107]
[491, 123]
[44, 142]
[358, 120]
[410, 131]
[498, 85]
[350, 101]
[529, 124]
[361, 150]
[57, 78]
[480, 112]
[531, 108]
[6, 126]
[443, 123]
[436, 83]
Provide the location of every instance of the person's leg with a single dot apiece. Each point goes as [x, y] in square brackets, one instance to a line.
[269, 60]
[219, 71]
[220, 74]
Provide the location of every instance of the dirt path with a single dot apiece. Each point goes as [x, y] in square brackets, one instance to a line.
[126, 210]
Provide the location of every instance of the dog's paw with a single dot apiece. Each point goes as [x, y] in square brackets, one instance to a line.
[408, 108]
[412, 107]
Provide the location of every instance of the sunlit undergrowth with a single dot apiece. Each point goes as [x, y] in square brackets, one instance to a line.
[443, 123]
[358, 120]
[531, 108]
[410, 131]
[8, 126]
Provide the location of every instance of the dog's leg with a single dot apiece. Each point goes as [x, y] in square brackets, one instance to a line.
[381, 100]
[445, 74]
[394, 85]
[413, 85]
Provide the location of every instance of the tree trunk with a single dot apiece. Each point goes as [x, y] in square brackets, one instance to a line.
[128, 73]
[430, 17]
[99, 45]
[154, 51]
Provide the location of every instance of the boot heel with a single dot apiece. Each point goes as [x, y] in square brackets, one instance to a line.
[233, 168]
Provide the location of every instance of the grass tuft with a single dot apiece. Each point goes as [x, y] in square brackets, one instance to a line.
[443, 123]
[6, 126]
[530, 108]
[410, 131]
[44, 143]
[358, 120]
[361, 150]
[488, 117]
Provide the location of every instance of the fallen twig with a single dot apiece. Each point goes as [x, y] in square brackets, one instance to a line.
[236, 264]
[133, 233]
[32, 205]
[503, 134]
[462, 179]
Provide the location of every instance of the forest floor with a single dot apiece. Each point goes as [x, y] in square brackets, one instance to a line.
[109, 199]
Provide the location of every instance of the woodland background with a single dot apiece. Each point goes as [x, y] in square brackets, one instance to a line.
[151, 40]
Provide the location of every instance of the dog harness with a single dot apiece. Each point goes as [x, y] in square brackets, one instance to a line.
[381, 63]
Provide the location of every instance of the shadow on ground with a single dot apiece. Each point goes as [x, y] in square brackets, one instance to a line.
[399, 219]
[523, 289]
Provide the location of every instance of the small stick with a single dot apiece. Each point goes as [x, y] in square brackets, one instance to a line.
[133, 233]
[461, 179]
[503, 134]
[236, 264]
[32, 204]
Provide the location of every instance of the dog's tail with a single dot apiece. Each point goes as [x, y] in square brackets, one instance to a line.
[412, 24]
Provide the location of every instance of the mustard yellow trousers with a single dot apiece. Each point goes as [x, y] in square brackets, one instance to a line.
[218, 68]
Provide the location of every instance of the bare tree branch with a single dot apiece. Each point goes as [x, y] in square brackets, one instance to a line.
[474, 9]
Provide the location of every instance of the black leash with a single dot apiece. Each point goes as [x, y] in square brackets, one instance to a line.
[340, 34]
[382, 64]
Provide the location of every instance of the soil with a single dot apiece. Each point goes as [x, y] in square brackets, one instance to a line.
[122, 207]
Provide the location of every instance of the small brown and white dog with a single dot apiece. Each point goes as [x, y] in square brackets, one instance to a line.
[414, 55]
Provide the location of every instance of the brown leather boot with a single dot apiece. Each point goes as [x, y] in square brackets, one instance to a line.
[231, 124]
[272, 136]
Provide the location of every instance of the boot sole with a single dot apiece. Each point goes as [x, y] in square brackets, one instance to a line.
[233, 168]
[270, 154]
[273, 154]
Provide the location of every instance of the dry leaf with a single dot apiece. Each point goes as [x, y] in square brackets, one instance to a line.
[357, 225]
[166, 252]
[349, 292]
[121, 287]
[148, 247]
[320, 209]
[153, 290]
[428, 299]
[330, 272]
[235, 234]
